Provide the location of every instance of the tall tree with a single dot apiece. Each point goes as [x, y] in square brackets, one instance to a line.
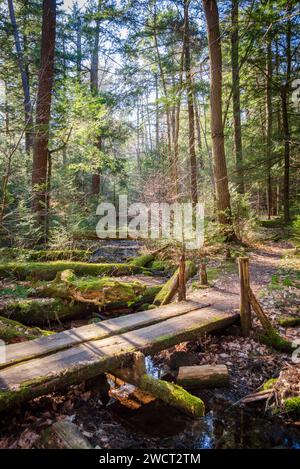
[285, 89]
[217, 134]
[43, 113]
[95, 90]
[190, 100]
[269, 121]
[24, 78]
[236, 94]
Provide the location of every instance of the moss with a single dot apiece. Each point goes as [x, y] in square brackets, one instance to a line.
[163, 296]
[48, 271]
[289, 321]
[273, 339]
[173, 395]
[162, 266]
[269, 384]
[292, 404]
[38, 312]
[142, 261]
[13, 331]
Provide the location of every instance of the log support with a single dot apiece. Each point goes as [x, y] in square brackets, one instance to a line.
[169, 393]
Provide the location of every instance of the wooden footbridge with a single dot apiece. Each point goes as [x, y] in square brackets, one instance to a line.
[50, 363]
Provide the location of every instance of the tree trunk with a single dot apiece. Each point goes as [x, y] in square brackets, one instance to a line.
[24, 78]
[43, 108]
[219, 160]
[236, 95]
[94, 77]
[285, 120]
[191, 113]
[269, 119]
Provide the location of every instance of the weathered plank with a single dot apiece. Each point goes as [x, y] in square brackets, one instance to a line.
[36, 377]
[36, 348]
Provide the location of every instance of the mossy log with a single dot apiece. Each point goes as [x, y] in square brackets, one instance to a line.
[48, 270]
[169, 289]
[169, 393]
[105, 292]
[142, 261]
[204, 376]
[12, 331]
[43, 311]
[63, 435]
[290, 321]
[292, 405]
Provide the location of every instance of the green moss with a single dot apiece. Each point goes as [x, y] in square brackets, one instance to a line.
[173, 394]
[269, 384]
[289, 321]
[292, 404]
[142, 261]
[162, 266]
[48, 271]
[38, 312]
[163, 296]
[12, 331]
[273, 339]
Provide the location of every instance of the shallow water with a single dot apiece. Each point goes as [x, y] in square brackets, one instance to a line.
[224, 426]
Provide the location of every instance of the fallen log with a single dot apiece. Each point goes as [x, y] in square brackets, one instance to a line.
[142, 261]
[13, 331]
[43, 311]
[48, 270]
[170, 288]
[36, 377]
[169, 393]
[204, 376]
[63, 435]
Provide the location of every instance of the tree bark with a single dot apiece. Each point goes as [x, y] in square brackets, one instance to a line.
[43, 108]
[94, 77]
[219, 160]
[24, 78]
[269, 119]
[236, 95]
[285, 90]
[191, 112]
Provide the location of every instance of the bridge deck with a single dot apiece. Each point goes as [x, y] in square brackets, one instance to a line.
[50, 363]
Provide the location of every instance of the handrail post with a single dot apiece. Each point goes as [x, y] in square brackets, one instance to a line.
[245, 310]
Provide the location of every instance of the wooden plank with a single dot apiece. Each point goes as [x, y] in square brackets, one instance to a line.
[16, 353]
[40, 376]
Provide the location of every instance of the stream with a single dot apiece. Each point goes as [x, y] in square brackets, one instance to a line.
[224, 425]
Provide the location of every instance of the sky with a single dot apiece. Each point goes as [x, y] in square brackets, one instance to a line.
[68, 3]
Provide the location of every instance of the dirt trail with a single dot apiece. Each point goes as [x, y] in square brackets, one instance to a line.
[264, 262]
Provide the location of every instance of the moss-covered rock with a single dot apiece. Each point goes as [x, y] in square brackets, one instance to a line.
[13, 331]
[48, 270]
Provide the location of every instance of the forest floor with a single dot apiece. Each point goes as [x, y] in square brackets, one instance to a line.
[127, 422]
